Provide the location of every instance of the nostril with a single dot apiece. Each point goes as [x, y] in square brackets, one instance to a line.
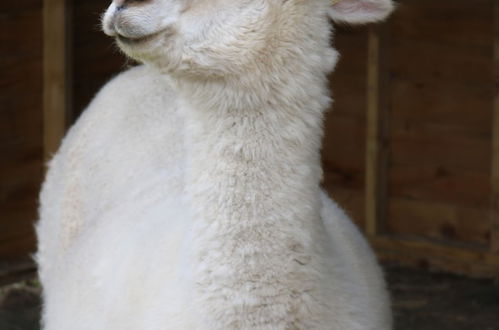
[120, 8]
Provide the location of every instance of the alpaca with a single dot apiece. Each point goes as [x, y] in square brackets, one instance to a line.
[187, 195]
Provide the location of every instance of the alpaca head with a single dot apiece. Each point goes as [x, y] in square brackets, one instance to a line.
[221, 37]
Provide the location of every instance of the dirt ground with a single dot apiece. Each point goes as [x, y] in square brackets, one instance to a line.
[432, 301]
[421, 301]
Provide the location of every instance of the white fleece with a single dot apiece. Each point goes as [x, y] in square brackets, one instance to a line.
[187, 195]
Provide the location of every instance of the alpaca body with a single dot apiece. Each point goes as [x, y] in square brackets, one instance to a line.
[188, 196]
[132, 227]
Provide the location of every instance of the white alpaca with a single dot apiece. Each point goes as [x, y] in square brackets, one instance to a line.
[187, 195]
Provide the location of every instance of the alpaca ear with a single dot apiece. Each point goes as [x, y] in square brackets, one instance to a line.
[360, 11]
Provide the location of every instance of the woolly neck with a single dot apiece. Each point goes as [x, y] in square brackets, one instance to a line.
[254, 144]
[253, 174]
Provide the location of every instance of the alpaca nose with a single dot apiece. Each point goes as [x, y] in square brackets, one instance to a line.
[113, 17]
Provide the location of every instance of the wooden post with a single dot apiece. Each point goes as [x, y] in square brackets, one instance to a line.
[376, 148]
[55, 74]
[495, 141]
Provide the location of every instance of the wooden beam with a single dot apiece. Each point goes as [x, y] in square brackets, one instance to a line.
[55, 74]
[495, 140]
[454, 258]
[376, 146]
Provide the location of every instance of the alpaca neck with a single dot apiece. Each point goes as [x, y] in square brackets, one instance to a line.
[254, 133]
[254, 159]
[253, 182]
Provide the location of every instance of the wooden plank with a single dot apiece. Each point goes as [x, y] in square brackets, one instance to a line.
[376, 122]
[443, 222]
[427, 144]
[440, 184]
[55, 82]
[455, 104]
[459, 22]
[495, 142]
[453, 258]
[472, 60]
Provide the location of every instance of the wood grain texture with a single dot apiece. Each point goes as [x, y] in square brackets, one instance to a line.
[449, 223]
[343, 151]
[55, 78]
[441, 96]
[376, 133]
[21, 141]
[457, 259]
[436, 184]
[495, 141]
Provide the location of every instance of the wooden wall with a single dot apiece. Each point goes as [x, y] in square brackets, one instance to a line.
[440, 125]
[427, 117]
[21, 142]
[345, 126]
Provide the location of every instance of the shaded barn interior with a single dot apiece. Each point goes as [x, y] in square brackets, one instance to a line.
[21, 123]
[441, 110]
[435, 125]
[412, 141]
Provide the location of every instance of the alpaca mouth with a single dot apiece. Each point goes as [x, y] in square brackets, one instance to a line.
[137, 40]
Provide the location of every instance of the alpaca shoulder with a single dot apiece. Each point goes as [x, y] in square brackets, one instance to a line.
[134, 92]
[121, 114]
[131, 91]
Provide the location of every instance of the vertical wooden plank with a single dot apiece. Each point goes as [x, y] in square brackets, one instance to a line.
[495, 141]
[376, 148]
[373, 131]
[55, 80]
